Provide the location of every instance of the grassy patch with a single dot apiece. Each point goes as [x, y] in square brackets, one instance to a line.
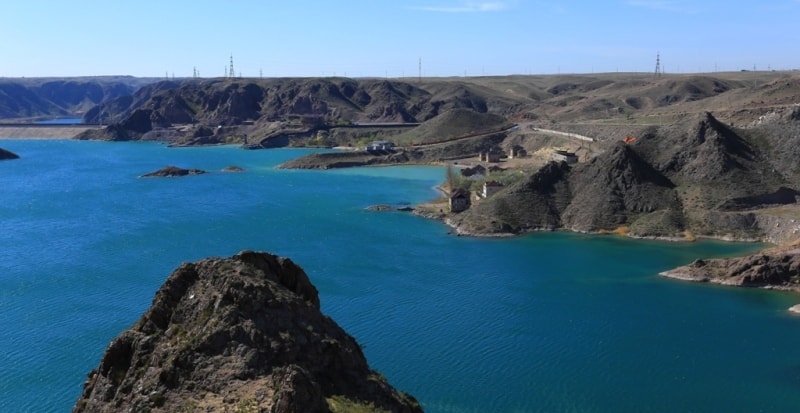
[341, 404]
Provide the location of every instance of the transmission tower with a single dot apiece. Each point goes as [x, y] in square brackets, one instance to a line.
[231, 73]
[658, 64]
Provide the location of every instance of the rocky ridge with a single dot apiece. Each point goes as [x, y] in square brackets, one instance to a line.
[237, 334]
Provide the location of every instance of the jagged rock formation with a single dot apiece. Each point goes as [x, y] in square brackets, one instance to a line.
[173, 171]
[265, 107]
[4, 154]
[700, 178]
[238, 334]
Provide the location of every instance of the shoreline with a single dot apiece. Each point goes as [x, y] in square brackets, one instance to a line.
[34, 138]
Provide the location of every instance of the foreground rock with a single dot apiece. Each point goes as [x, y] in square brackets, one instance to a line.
[238, 334]
[173, 171]
[777, 268]
[4, 154]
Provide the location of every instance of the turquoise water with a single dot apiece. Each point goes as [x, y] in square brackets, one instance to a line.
[546, 322]
[61, 121]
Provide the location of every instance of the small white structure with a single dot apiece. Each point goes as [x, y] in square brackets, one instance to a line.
[380, 146]
[568, 157]
[492, 155]
[491, 187]
[517, 152]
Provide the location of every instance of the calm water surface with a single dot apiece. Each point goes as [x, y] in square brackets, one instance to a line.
[546, 322]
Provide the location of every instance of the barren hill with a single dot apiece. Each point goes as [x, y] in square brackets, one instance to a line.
[697, 178]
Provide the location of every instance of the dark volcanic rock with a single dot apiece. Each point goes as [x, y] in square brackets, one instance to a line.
[614, 188]
[240, 331]
[4, 154]
[172, 171]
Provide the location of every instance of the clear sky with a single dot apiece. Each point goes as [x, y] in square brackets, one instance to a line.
[359, 38]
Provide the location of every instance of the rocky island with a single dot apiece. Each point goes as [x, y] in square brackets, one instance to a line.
[4, 154]
[173, 171]
[243, 333]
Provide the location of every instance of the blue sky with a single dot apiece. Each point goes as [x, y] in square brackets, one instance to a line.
[359, 38]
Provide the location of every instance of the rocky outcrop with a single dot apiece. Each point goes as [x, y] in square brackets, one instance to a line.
[233, 168]
[4, 154]
[774, 269]
[237, 334]
[173, 171]
[531, 205]
[615, 189]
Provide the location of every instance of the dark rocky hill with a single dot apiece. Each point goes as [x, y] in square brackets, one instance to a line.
[265, 108]
[699, 178]
[238, 334]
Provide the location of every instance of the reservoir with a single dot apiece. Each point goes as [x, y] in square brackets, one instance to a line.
[543, 322]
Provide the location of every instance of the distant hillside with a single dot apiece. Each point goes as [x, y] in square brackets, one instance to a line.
[262, 108]
[69, 97]
[453, 124]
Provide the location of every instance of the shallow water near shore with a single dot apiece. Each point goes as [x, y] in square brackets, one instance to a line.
[544, 322]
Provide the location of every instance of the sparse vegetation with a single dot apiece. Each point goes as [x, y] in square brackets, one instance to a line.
[341, 404]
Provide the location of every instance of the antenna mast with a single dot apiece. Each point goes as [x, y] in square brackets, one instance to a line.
[231, 73]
